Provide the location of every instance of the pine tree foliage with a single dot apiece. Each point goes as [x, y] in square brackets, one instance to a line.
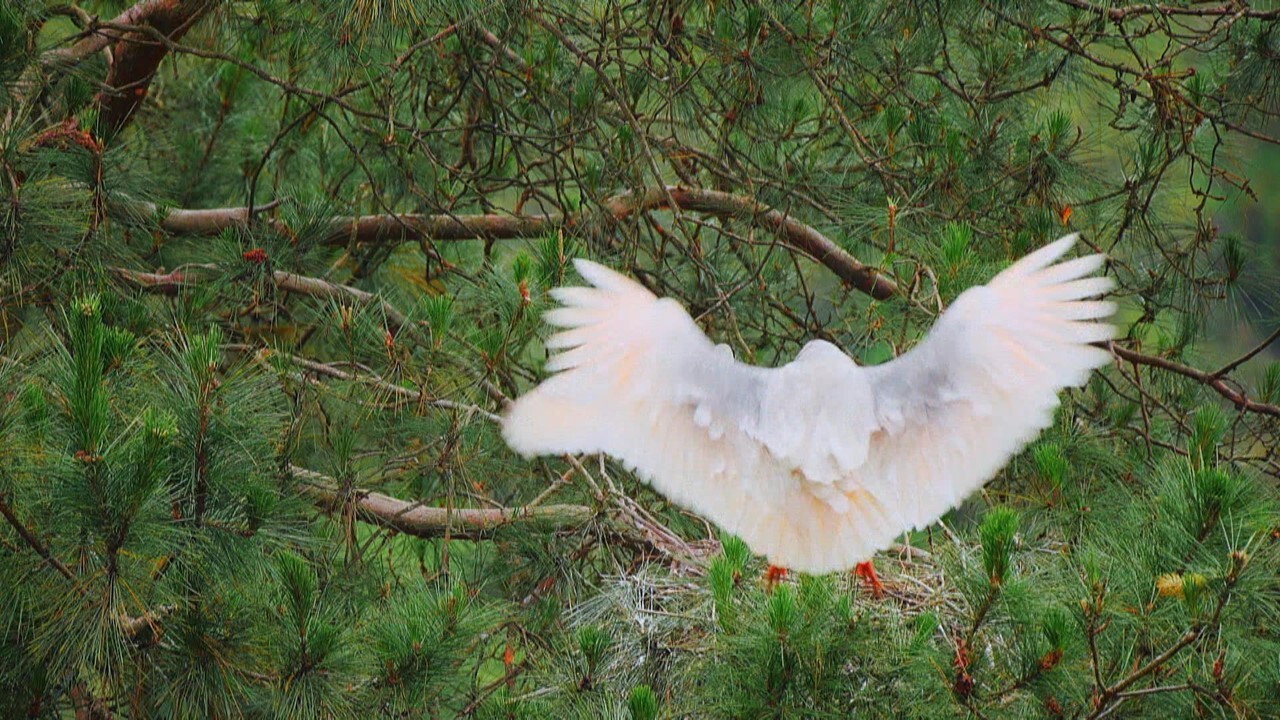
[270, 270]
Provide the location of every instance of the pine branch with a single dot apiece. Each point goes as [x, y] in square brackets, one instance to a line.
[1117, 14]
[93, 41]
[1117, 690]
[143, 628]
[200, 223]
[433, 522]
[627, 112]
[374, 381]
[867, 154]
[34, 542]
[169, 283]
[1214, 381]
[135, 60]
[410, 227]
[320, 288]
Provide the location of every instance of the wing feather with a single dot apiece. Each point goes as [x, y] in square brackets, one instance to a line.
[985, 381]
[819, 463]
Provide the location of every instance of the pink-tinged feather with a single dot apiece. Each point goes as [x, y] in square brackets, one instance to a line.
[819, 463]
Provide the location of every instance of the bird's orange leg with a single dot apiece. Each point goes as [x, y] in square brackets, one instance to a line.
[773, 575]
[867, 572]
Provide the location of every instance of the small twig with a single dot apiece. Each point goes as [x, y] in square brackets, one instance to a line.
[1212, 380]
[1275, 335]
[34, 542]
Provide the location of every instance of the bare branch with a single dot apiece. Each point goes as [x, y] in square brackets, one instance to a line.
[1212, 380]
[94, 42]
[1117, 14]
[433, 522]
[410, 227]
[169, 283]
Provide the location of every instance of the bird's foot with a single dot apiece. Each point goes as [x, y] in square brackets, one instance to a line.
[867, 572]
[773, 575]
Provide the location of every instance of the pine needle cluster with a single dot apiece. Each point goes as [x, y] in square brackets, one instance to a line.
[270, 271]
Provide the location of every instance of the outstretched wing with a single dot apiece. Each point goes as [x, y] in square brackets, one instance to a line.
[819, 463]
[984, 382]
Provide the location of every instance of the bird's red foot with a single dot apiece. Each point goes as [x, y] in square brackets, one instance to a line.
[867, 572]
[773, 575]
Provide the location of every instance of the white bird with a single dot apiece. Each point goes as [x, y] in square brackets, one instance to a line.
[819, 463]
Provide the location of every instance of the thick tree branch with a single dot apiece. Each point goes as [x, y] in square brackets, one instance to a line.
[136, 60]
[135, 56]
[414, 227]
[797, 234]
[433, 522]
[94, 42]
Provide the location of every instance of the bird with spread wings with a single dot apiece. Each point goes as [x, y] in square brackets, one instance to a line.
[819, 463]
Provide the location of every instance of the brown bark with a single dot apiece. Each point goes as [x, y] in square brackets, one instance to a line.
[413, 227]
[795, 233]
[136, 56]
[94, 42]
[1214, 381]
[171, 282]
[434, 522]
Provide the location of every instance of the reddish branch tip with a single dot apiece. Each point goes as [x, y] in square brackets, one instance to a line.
[962, 686]
[256, 256]
[66, 134]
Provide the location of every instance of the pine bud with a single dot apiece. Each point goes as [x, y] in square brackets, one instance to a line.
[1050, 659]
[1239, 559]
[1169, 585]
